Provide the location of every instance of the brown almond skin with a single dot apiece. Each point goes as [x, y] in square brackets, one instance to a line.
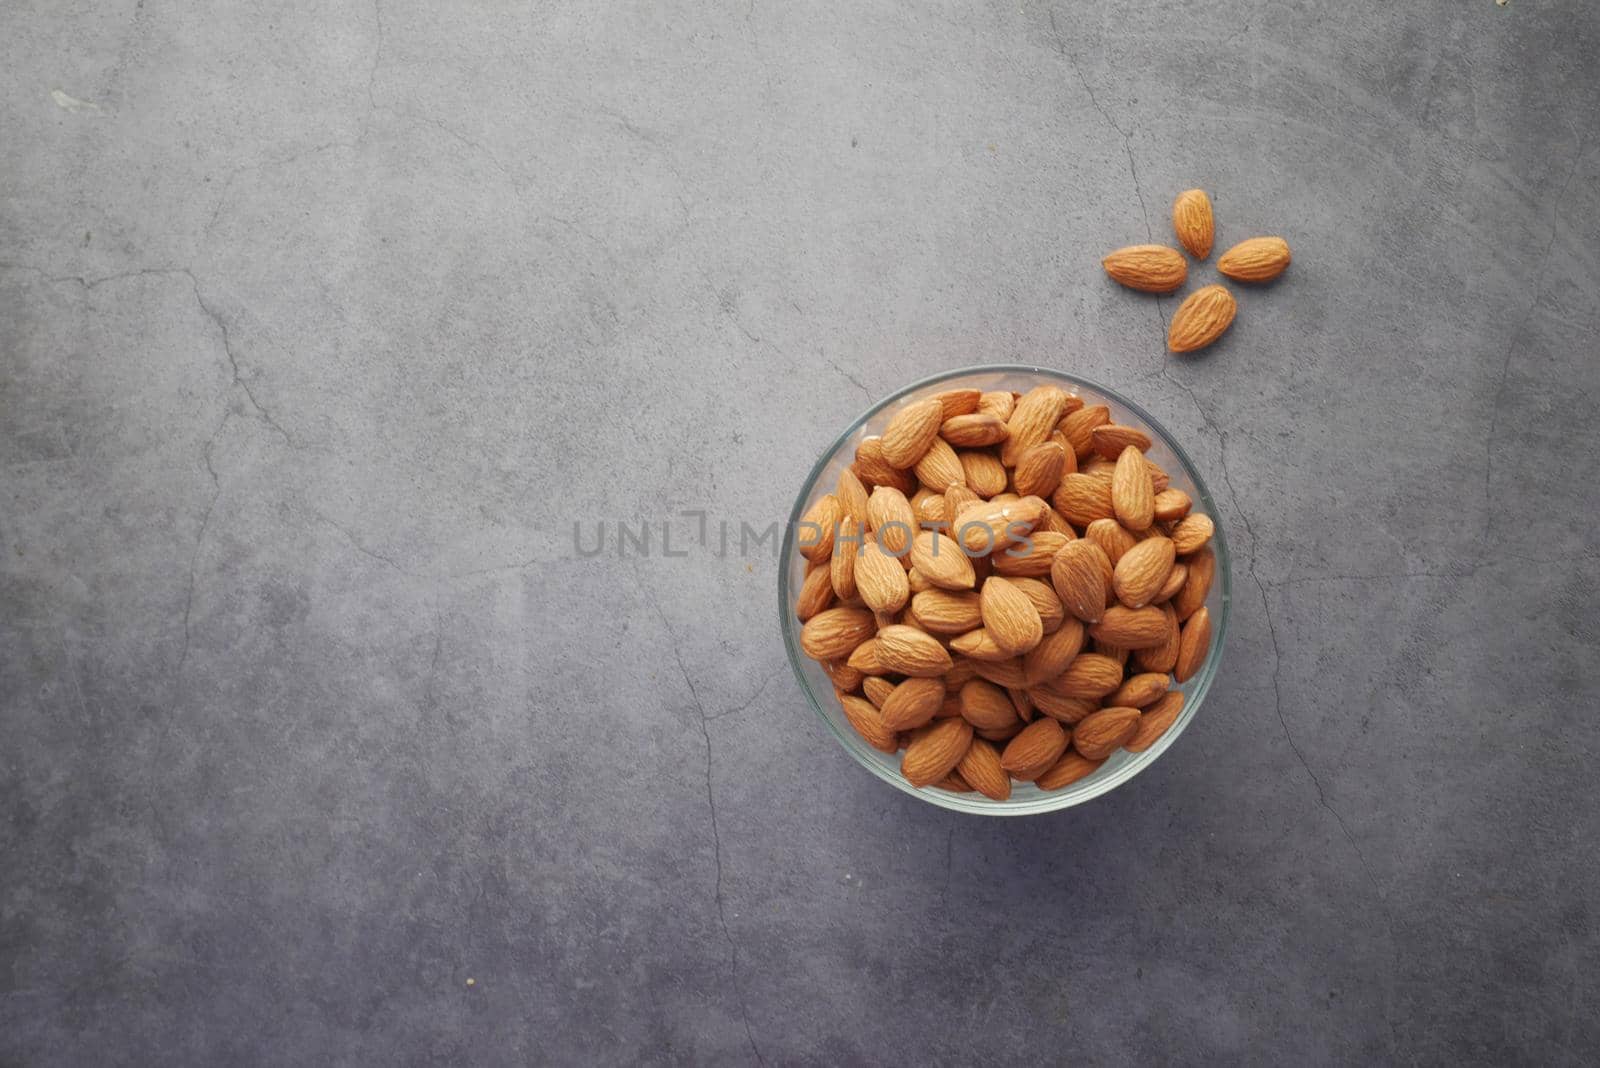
[1090, 675]
[1193, 645]
[1258, 259]
[1039, 469]
[957, 402]
[877, 689]
[1171, 504]
[1082, 498]
[892, 519]
[1009, 616]
[941, 561]
[1131, 628]
[818, 527]
[852, 495]
[935, 750]
[1202, 566]
[1161, 657]
[911, 430]
[1192, 533]
[1142, 572]
[981, 471]
[1007, 673]
[1102, 733]
[835, 632]
[1140, 690]
[1113, 538]
[868, 722]
[1069, 769]
[1054, 654]
[1068, 710]
[1154, 721]
[1148, 268]
[1081, 574]
[1175, 580]
[947, 612]
[904, 650]
[1035, 748]
[913, 703]
[1133, 493]
[1078, 428]
[1201, 319]
[1111, 439]
[1192, 221]
[986, 706]
[1032, 420]
[880, 579]
[873, 470]
[980, 767]
[816, 593]
[974, 431]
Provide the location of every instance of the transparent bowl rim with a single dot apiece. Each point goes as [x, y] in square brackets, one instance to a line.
[1096, 785]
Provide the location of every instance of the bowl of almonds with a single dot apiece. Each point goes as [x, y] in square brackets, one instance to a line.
[1004, 590]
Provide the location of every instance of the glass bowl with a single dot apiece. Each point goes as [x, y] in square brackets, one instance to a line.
[1025, 797]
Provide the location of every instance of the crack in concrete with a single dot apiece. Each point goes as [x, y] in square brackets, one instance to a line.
[852, 379]
[711, 805]
[199, 539]
[1511, 341]
[744, 706]
[356, 543]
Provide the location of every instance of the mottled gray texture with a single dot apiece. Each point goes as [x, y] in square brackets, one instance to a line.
[321, 323]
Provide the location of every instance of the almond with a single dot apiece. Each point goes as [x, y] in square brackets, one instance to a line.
[981, 767]
[1009, 617]
[1193, 645]
[939, 465]
[1079, 574]
[868, 722]
[852, 495]
[1192, 222]
[958, 402]
[958, 497]
[835, 632]
[980, 645]
[1110, 440]
[947, 612]
[1127, 628]
[959, 675]
[1110, 650]
[1202, 318]
[1001, 402]
[1150, 268]
[1054, 653]
[1171, 504]
[974, 431]
[881, 579]
[913, 703]
[873, 470]
[1142, 572]
[1259, 259]
[1045, 602]
[1081, 499]
[1155, 720]
[990, 525]
[1114, 540]
[941, 561]
[1056, 523]
[987, 706]
[917, 581]
[929, 508]
[1007, 673]
[877, 689]
[1162, 657]
[842, 565]
[982, 471]
[1191, 534]
[846, 679]
[814, 537]
[1102, 733]
[907, 651]
[1068, 710]
[1039, 470]
[1202, 565]
[934, 751]
[1078, 427]
[1090, 675]
[1031, 557]
[816, 593]
[1175, 580]
[1035, 748]
[892, 519]
[954, 783]
[1133, 494]
[1066, 771]
[1022, 703]
[1035, 415]
[911, 430]
[1140, 690]
[864, 658]
[950, 708]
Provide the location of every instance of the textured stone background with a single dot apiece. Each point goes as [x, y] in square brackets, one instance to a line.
[320, 324]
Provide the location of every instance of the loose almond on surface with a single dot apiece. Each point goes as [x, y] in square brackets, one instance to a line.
[1204, 316]
[1150, 268]
[1193, 223]
[1259, 259]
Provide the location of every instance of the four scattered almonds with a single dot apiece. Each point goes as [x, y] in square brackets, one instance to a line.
[1205, 314]
[1005, 587]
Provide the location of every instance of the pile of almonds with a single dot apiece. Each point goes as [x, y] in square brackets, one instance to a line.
[1205, 314]
[1005, 587]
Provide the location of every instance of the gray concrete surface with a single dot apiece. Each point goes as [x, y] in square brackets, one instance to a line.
[321, 324]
